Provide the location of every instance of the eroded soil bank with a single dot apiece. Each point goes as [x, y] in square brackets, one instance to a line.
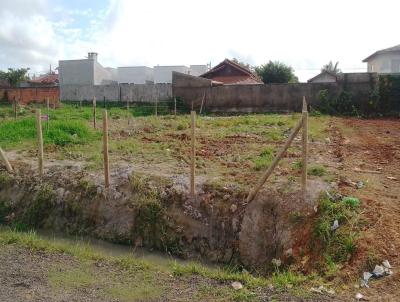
[156, 212]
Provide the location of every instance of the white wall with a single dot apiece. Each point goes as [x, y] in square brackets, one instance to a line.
[135, 75]
[102, 75]
[163, 74]
[196, 70]
[384, 63]
[76, 72]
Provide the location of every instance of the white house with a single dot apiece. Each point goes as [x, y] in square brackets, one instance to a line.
[385, 60]
[135, 75]
[85, 71]
[163, 74]
[324, 77]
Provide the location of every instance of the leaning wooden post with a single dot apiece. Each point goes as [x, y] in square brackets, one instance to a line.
[274, 163]
[105, 150]
[94, 112]
[5, 159]
[305, 149]
[192, 153]
[40, 140]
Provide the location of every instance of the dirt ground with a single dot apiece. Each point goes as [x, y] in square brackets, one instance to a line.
[354, 151]
[369, 151]
[27, 275]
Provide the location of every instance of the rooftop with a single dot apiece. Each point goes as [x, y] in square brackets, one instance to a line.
[382, 51]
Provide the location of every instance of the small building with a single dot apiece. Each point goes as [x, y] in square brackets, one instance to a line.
[324, 77]
[135, 75]
[85, 72]
[46, 80]
[228, 72]
[385, 60]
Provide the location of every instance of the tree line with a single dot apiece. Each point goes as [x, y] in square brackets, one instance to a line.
[279, 72]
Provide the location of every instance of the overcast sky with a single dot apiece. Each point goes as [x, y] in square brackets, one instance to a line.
[305, 34]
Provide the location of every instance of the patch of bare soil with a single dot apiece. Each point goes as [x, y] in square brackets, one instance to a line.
[369, 151]
[30, 276]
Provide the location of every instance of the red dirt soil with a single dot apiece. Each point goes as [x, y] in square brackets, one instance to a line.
[370, 151]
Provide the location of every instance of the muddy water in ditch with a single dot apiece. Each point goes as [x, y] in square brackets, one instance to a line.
[115, 249]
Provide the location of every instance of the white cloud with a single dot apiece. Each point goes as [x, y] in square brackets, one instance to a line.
[305, 34]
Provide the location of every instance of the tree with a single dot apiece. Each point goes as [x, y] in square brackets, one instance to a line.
[331, 68]
[14, 76]
[245, 65]
[276, 72]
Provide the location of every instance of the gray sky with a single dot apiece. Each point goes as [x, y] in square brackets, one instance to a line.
[305, 34]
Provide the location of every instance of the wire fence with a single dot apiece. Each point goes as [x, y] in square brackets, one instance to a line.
[84, 108]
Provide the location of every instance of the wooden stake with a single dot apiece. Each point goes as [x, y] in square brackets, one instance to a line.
[94, 112]
[40, 140]
[15, 108]
[175, 107]
[274, 163]
[305, 149]
[202, 102]
[105, 150]
[156, 105]
[5, 159]
[48, 110]
[192, 153]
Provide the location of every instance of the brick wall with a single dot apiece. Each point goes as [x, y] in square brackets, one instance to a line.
[30, 94]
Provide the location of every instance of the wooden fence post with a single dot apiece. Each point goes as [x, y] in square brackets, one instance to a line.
[5, 159]
[305, 149]
[274, 163]
[48, 111]
[94, 112]
[202, 102]
[156, 109]
[40, 140]
[105, 150]
[175, 106]
[15, 108]
[193, 153]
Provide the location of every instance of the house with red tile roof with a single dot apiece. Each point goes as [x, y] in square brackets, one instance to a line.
[228, 72]
[50, 79]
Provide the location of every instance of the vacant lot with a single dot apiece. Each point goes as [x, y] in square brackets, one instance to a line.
[233, 149]
[359, 158]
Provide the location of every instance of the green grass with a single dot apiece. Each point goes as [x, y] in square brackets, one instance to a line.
[60, 133]
[316, 170]
[264, 159]
[340, 244]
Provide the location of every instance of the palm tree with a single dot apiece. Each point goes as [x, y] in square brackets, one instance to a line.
[331, 68]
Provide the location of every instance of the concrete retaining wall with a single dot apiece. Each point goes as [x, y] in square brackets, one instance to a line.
[138, 92]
